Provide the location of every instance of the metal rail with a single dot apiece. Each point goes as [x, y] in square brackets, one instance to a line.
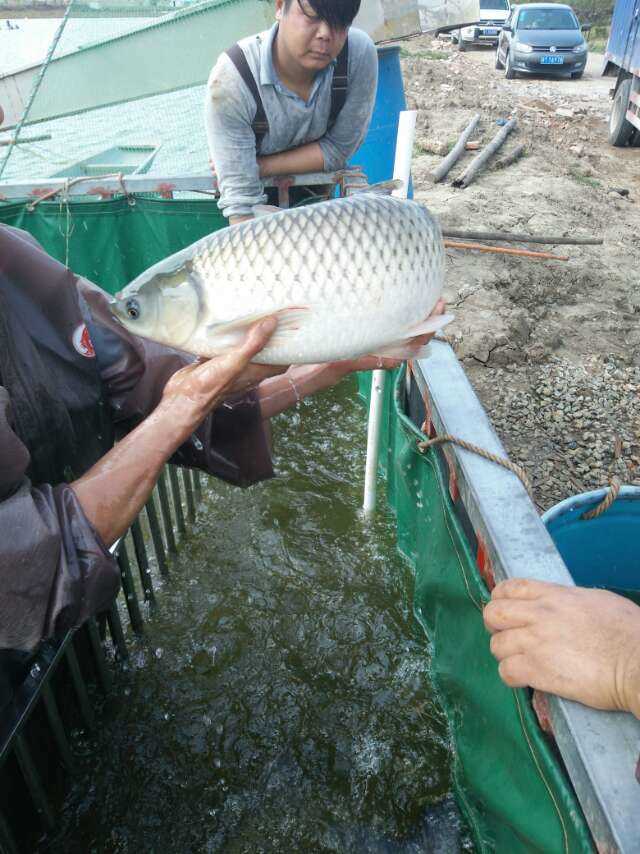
[108, 186]
[80, 657]
[599, 749]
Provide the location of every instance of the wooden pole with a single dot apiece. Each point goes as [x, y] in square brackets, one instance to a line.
[510, 237]
[454, 155]
[510, 158]
[479, 162]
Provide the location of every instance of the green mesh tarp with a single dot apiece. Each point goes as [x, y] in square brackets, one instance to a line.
[113, 241]
[511, 788]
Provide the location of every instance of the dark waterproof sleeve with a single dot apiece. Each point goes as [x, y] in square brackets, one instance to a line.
[233, 443]
[55, 570]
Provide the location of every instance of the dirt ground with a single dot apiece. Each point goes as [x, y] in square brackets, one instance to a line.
[552, 347]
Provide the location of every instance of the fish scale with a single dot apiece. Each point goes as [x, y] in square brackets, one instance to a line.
[347, 277]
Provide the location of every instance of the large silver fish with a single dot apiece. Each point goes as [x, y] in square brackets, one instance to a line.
[346, 277]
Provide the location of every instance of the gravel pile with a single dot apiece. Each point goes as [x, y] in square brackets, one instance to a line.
[572, 427]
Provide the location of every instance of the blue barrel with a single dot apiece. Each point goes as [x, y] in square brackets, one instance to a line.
[601, 552]
[376, 155]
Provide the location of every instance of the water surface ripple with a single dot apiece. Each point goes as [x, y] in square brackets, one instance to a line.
[279, 700]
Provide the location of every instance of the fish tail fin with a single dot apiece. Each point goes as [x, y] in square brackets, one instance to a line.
[432, 324]
[408, 348]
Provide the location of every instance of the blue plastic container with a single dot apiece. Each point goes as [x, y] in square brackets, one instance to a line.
[376, 155]
[602, 552]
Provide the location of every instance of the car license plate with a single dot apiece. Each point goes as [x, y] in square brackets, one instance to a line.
[490, 32]
[552, 60]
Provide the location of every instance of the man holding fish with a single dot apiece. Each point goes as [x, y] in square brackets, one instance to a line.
[293, 100]
[71, 380]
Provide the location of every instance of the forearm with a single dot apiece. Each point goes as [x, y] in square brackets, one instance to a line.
[115, 489]
[297, 161]
[280, 393]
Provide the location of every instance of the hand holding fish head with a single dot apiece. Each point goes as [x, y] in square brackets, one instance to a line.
[193, 391]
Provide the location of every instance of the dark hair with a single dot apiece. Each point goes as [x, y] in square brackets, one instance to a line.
[339, 14]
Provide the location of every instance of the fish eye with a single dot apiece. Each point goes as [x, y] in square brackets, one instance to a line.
[133, 308]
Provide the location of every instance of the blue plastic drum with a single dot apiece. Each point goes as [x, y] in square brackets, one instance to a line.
[376, 155]
[602, 552]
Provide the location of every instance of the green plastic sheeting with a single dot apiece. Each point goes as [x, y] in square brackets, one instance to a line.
[511, 788]
[111, 242]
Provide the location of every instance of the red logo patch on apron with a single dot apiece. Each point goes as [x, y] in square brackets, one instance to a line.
[82, 342]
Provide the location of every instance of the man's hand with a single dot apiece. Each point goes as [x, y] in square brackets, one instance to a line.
[197, 388]
[579, 643]
[114, 490]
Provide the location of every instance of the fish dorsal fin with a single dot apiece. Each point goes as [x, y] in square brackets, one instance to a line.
[383, 188]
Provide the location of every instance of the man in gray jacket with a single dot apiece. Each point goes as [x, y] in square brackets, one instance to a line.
[293, 100]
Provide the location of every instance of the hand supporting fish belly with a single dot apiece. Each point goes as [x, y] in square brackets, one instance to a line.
[346, 278]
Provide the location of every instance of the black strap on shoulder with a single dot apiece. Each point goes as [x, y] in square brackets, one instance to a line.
[260, 123]
[339, 84]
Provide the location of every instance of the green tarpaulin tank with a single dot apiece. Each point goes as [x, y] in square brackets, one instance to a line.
[461, 522]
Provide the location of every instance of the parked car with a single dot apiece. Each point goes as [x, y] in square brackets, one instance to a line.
[542, 38]
[493, 14]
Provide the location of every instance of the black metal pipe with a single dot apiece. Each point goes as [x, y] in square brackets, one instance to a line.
[140, 548]
[130, 595]
[77, 678]
[165, 509]
[98, 654]
[177, 499]
[57, 727]
[33, 780]
[117, 634]
[188, 488]
[156, 536]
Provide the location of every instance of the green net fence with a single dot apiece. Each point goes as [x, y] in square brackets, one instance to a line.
[114, 85]
[509, 782]
[113, 241]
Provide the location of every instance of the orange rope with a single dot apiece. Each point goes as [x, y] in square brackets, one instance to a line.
[500, 250]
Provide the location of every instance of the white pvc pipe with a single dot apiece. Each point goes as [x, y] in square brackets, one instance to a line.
[401, 170]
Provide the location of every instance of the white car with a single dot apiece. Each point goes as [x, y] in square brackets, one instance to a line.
[493, 14]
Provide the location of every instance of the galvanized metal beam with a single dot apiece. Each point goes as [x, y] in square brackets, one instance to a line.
[106, 187]
[599, 749]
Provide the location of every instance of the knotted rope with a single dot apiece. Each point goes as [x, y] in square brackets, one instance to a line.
[481, 452]
[614, 488]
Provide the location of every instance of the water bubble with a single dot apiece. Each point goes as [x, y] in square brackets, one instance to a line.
[159, 652]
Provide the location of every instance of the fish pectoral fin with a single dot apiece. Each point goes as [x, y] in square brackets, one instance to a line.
[230, 333]
[382, 188]
[409, 348]
[265, 210]
[431, 324]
